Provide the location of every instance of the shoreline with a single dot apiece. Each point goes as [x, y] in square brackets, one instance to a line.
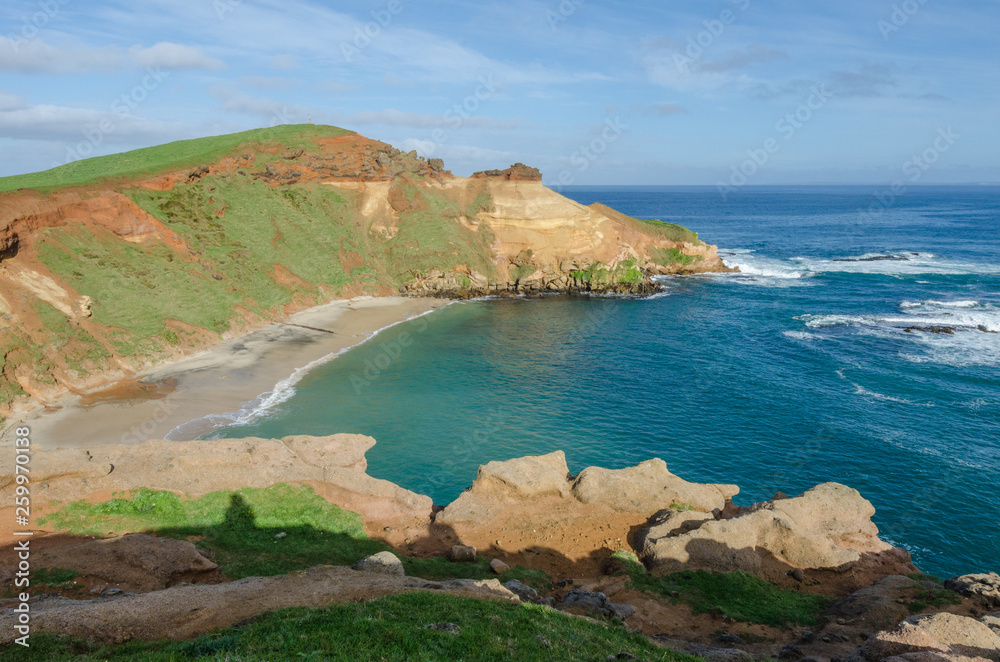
[190, 397]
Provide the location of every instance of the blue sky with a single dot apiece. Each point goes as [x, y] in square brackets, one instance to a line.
[591, 91]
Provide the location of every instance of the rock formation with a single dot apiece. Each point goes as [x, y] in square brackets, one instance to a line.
[932, 638]
[334, 465]
[639, 490]
[828, 527]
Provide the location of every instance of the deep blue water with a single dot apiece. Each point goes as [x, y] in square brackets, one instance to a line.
[795, 373]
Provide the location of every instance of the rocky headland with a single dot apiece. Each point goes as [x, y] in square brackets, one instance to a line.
[603, 537]
[113, 265]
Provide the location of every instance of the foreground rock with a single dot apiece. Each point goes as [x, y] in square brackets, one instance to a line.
[141, 562]
[828, 527]
[642, 490]
[335, 466]
[931, 638]
[184, 612]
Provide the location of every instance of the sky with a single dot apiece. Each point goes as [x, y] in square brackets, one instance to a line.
[664, 92]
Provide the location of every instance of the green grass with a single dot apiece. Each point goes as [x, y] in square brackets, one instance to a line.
[738, 595]
[239, 530]
[430, 237]
[53, 576]
[670, 231]
[671, 256]
[935, 597]
[390, 629]
[922, 577]
[181, 154]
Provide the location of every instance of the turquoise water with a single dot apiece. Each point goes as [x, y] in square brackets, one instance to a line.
[795, 373]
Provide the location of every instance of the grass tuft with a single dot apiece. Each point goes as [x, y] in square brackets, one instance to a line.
[738, 595]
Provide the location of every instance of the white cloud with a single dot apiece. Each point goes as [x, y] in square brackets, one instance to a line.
[64, 124]
[38, 57]
[284, 62]
[268, 83]
[35, 56]
[10, 102]
[166, 55]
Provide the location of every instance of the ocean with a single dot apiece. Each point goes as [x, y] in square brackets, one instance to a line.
[803, 369]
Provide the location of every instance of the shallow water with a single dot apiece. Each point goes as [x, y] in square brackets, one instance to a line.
[796, 372]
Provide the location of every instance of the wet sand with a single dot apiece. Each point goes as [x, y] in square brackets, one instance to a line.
[175, 400]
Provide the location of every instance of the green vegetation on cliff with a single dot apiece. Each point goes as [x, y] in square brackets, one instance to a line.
[414, 626]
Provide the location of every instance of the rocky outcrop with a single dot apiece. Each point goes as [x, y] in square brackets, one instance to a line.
[647, 488]
[136, 560]
[643, 489]
[984, 586]
[932, 638]
[829, 527]
[334, 465]
[184, 612]
[517, 172]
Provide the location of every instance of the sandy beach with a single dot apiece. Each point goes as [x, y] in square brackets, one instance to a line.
[186, 399]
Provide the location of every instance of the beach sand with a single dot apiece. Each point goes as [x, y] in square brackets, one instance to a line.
[177, 397]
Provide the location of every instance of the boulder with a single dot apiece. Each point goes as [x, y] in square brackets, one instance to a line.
[940, 636]
[579, 600]
[383, 563]
[985, 586]
[462, 554]
[499, 567]
[647, 488]
[521, 590]
[828, 527]
[518, 480]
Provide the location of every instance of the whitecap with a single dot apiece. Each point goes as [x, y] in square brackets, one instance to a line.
[862, 391]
